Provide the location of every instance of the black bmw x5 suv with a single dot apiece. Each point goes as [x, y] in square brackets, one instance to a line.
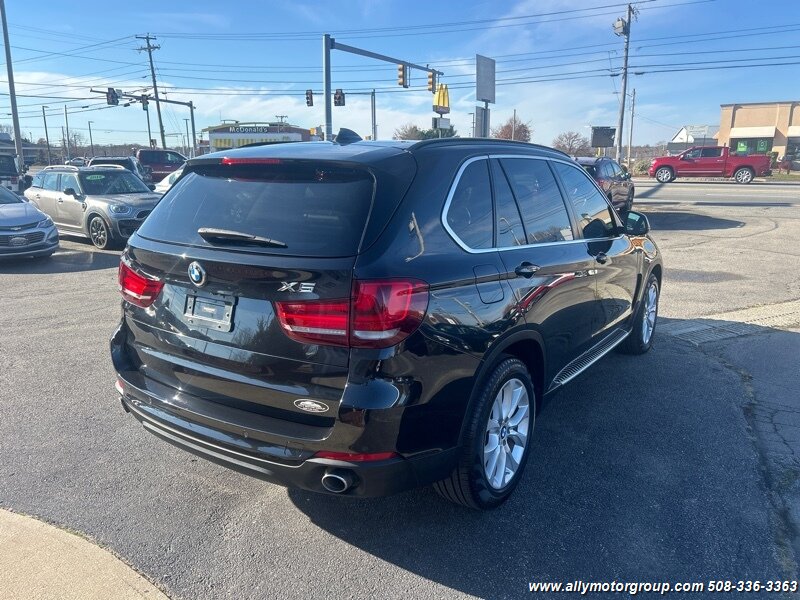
[363, 318]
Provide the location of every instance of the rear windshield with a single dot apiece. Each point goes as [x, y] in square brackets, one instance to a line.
[120, 162]
[7, 164]
[160, 156]
[591, 170]
[313, 210]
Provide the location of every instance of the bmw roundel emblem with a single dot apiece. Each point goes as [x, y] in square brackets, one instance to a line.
[197, 274]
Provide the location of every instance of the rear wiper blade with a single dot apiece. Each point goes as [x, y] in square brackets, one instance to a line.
[226, 235]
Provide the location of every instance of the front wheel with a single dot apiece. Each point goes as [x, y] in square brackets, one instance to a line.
[664, 175]
[99, 233]
[629, 201]
[743, 175]
[640, 339]
[497, 440]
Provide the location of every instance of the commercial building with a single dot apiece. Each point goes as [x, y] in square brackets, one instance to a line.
[693, 135]
[761, 128]
[235, 135]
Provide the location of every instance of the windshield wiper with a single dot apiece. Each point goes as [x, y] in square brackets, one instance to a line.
[210, 234]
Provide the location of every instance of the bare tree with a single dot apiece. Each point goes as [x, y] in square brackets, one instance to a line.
[573, 143]
[409, 131]
[513, 130]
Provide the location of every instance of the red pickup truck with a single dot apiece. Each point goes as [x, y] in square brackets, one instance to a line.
[710, 161]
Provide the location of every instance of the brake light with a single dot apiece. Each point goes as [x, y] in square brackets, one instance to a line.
[227, 160]
[136, 288]
[378, 314]
[352, 457]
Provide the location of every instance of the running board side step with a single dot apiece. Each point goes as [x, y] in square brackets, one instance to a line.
[588, 358]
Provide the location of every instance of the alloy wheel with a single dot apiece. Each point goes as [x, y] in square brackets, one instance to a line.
[650, 312]
[507, 433]
[98, 233]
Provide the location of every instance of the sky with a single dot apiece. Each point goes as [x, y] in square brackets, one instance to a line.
[558, 62]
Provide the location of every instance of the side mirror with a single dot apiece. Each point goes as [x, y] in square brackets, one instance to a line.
[152, 186]
[70, 192]
[636, 224]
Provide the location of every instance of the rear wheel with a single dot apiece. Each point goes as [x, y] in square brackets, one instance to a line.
[640, 339]
[99, 233]
[497, 441]
[744, 175]
[665, 175]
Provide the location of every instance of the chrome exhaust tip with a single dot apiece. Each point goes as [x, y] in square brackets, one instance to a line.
[337, 481]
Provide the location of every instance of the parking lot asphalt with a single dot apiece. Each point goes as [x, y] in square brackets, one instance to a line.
[652, 468]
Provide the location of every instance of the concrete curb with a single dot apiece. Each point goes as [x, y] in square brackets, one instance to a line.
[38, 560]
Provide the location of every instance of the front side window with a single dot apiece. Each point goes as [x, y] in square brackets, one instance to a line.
[470, 214]
[38, 180]
[595, 218]
[68, 180]
[543, 211]
[692, 153]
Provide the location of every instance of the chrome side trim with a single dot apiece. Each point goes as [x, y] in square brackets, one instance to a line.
[588, 358]
[457, 179]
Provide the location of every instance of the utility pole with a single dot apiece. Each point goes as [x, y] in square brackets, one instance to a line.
[91, 141]
[374, 124]
[326, 85]
[281, 119]
[12, 94]
[46, 136]
[514, 125]
[623, 27]
[187, 137]
[149, 133]
[150, 49]
[630, 130]
[194, 135]
[66, 123]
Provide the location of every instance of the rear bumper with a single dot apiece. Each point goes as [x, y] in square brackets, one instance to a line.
[296, 469]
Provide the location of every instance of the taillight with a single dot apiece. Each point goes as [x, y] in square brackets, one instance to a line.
[379, 314]
[137, 288]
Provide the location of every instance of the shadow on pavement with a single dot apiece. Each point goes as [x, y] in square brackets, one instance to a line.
[642, 469]
[69, 259]
[687, 221]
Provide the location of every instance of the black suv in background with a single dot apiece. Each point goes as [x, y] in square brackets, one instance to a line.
[613, 180]
[365, 317]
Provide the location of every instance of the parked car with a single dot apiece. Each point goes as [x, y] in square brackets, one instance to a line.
[613, 180]
[162, 162]
[77, 161]
[24, 230]
[127, 162]
[710, 161]
[361, 318]
[163, 186]
[9, 175]
[104, 203]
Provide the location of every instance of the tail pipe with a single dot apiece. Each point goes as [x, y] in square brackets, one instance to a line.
[337, 481]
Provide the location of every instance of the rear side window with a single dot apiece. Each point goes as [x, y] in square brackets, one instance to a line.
[543, 210]
[509, 224]
[50, 181]
[470, 213]
[591, 208]
[313, 209]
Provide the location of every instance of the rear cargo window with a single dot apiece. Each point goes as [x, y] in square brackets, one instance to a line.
[314, 210]
[7, 164]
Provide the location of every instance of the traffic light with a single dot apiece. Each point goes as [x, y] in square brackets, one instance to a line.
[432, 82]
[338, 97]
[402, 76]
[309, 98]
[144, 102]
[112, 97]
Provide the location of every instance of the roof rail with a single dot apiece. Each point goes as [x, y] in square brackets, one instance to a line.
[461, 140]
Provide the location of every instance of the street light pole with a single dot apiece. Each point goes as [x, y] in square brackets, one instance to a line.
[91, 141]
[630, 129]
[46, 136]
[12, 94]
[186, 121]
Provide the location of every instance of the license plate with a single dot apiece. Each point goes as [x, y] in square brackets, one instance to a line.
[215, 313]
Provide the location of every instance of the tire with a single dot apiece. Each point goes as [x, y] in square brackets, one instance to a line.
[629, 201]
[640, 339]
[743, 175]
[665, 175]
[479, 481]
[99, 233]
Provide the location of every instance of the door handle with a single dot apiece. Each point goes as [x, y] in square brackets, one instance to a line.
[601, 258]
[61, 201]
[526, 269]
